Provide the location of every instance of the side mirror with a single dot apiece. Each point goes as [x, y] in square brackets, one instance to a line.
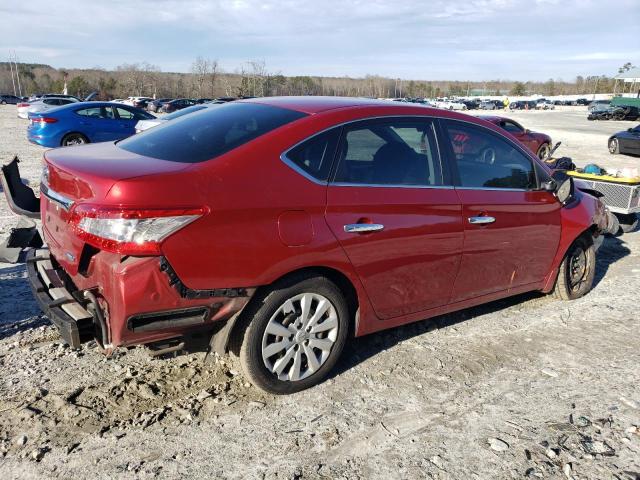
[527, 131]
[565, 187]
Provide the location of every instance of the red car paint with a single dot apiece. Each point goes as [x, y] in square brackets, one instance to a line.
[265, 220]
[532, 140]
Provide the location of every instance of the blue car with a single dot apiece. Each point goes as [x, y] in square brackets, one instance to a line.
[84, 122]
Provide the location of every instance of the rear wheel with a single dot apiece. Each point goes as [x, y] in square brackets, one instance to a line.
[293, 334]
[614, 146]
[74, 139]
[628, 222]
[543, 151]
[577, 270]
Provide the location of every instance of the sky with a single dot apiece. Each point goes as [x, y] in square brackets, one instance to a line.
[422, 40]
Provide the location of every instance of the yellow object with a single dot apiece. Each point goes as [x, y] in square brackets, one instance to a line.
[605, 178]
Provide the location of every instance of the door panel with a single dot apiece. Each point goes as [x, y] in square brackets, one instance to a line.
[516, 249]
[411, 264]
[517, 229]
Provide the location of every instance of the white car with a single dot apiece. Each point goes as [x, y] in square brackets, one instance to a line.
[143, 125]
[546, 105]
[450, 105]
[25, 108]
[132, 100]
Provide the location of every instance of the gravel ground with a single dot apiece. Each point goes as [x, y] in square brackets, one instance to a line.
[525, 387]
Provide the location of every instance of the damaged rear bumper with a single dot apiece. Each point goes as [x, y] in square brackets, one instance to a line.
[73, 320]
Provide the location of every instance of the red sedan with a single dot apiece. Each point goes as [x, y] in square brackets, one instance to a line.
[279, 225]
[538, 143]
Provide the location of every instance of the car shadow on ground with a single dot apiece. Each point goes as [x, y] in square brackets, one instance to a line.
[361, 349]
[18, 309]
[612, 250]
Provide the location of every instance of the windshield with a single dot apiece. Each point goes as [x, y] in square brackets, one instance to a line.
[209, 133]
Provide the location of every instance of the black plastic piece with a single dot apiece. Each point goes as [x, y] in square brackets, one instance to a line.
[73, 332]
[24, 235]
[22, 200]
[186, 292]
[184, 317]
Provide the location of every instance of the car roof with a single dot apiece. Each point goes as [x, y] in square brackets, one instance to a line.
[317, 104]
[494, 118]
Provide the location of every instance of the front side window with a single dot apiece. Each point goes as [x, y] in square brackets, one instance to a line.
[314, 156]
[484, 160]
[511, 127]
[210, 132]
[96, 112]
[391, 152]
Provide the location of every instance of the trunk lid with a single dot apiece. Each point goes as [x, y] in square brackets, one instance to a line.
[86, 174]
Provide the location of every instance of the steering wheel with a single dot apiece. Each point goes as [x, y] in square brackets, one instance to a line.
[488, 155]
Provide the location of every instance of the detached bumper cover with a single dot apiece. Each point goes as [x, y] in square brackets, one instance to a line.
[73, 321]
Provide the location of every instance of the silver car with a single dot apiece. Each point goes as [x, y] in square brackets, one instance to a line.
[43, 104]
[143, 125]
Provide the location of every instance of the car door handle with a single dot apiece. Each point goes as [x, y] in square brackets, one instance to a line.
[363, 227]
[481, 220]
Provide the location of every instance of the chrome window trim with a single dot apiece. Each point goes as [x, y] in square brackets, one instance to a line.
[386, 185]
[417, 116]
[64, 202]
[498, 189]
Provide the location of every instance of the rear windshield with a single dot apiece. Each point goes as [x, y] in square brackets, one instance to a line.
[208, 133]
[184, 111]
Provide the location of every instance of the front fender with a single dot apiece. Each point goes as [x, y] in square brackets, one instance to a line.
[585, 214]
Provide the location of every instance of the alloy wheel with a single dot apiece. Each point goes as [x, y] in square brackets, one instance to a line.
[299, 336]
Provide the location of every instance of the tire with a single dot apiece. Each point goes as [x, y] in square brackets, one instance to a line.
[3, 102]
[614, 146]
[628, 222]
[577, 270]
[279, 310]
[543, 151]
[71, 139]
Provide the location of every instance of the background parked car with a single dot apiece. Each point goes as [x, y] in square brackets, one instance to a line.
[156, 105]
[599, 105]
[450, 105]
[45, 103]
[522, 105]
[609, 112]
[491, 105]
[177, 104]
[6, 99]
[545, 105]
[84, 122]
[626, 141]
[143, 125]
[538, 143]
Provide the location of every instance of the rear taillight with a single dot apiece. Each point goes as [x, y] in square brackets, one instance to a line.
[43, 120]
[23, 105]
[129, 231]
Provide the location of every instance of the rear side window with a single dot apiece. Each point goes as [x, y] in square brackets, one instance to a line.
[314, 156]
[484, 160]
[391, 152]
[209, 133]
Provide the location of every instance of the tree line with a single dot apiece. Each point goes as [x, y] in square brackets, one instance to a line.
[207, 79]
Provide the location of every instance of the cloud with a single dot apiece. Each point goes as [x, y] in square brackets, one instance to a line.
[439, 39]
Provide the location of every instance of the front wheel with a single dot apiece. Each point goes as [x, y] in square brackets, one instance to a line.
[577, 270]
[614, 146]
[293, 334]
